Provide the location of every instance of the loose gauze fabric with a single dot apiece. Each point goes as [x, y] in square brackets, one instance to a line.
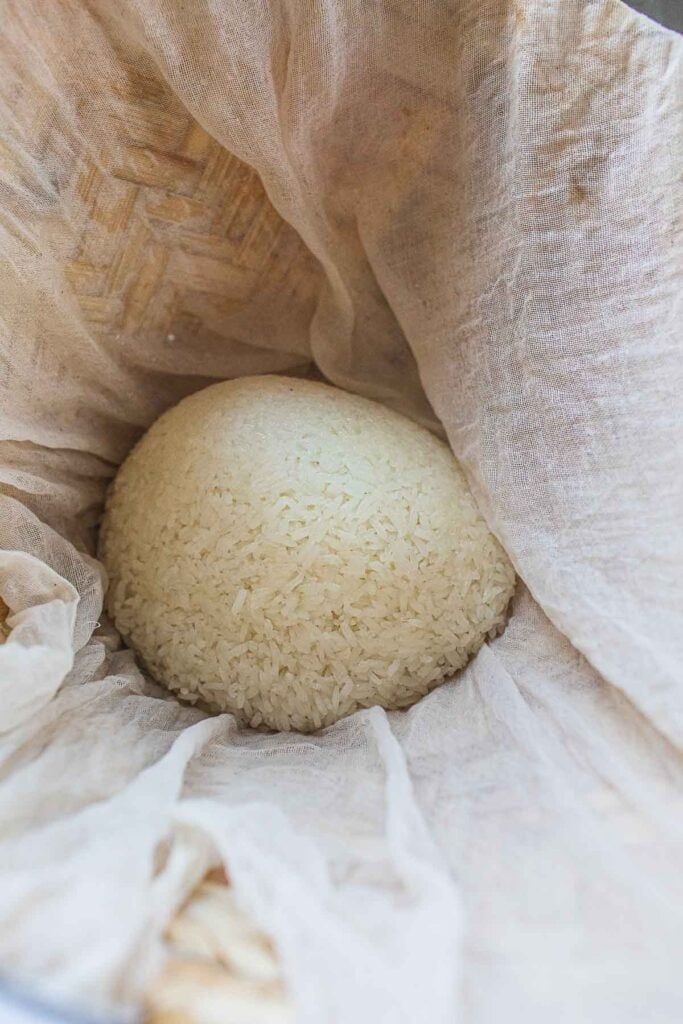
[291, 553]
[465, 210]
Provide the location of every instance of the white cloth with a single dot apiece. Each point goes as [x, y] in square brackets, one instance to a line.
[480, 198]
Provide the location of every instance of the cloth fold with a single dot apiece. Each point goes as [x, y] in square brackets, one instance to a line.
[466, 210]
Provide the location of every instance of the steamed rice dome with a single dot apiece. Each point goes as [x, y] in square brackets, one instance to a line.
[288, 552]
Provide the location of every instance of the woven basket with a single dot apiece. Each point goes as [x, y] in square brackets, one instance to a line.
[165, 244]
[219, 968]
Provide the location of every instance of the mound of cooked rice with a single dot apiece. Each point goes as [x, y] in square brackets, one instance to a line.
[288, 552]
